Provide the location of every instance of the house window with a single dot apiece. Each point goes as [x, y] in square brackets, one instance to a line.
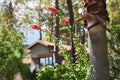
[46, 60]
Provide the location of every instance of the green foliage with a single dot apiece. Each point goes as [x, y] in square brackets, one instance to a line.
[46, 74]
[80, 70]
[10, 52]
[114, 53]
[25, 72]
[114, 39]
[114, 56]
[68, 71]
[11, 46]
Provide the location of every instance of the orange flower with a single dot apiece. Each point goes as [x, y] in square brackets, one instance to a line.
[61, 53]
[64, 61]
[53, 9]
[65, 21]
[35, 26]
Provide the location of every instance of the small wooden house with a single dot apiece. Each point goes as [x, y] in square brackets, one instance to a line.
[42, 52]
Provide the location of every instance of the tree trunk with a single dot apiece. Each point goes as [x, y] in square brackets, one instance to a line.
[58, 58]
[51, 34]
[96, 15]
[71, 21]
[39, 20]
[97, 43]
[40, 36]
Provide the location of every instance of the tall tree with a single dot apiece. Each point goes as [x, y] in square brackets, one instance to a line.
[95, 14]
[39, 12]
[11, 45]
[58, 58]
[71, 21]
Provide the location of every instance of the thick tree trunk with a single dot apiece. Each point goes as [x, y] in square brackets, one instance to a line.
[95, 15]
[97, 43]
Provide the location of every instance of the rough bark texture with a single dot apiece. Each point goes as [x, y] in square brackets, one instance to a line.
[71, 21]
[97, 43]
[58, 58]
[95, 14]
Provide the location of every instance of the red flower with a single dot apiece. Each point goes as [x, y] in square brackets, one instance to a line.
[35, 26]
[53, 9]
[65, 21]
[64, 61]
[46, 30]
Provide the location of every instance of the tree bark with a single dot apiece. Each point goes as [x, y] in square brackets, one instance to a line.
[40, 35]
[98, 53]
[39, 20]
[71, 21]
[95, 14]
[58, 58]
[51, 34]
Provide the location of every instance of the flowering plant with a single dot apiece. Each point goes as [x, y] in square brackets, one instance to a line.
[35, 26]
[64, 61]
[65, 21]
[53, 9]
[67, 70]
[38, 27]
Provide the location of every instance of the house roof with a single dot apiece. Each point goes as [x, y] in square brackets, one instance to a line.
[48, 44]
